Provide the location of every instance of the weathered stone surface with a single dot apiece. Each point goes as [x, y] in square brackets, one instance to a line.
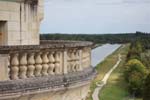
[78, 93]
[46, 45]
[33, 86]
[39, 70]
[22, 21]
[3, 69]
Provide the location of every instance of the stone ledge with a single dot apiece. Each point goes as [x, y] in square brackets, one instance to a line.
[61, 44]
[49, 83]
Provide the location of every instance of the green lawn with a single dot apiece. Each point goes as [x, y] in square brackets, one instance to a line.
[116, 88]
[105, 66]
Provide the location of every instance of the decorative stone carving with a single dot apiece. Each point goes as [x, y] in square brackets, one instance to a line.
[45, 64]
[23, 66]
[14, 70]
[31, 66]
[51, 63]
[9, 67]
[65, 63]
[38, 64]
[57, 63]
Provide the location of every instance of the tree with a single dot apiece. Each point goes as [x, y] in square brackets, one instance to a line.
[146, 90]
[135, 73]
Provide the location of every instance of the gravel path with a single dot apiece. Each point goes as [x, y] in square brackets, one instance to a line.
[104, 80]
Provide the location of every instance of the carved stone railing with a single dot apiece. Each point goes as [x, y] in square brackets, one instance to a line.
[49, 58]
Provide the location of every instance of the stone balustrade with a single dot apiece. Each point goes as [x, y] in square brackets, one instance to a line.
[46, 71]
[39, 84]
[35, 64]
[49, 58]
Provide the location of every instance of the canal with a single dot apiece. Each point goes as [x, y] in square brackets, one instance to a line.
[101, 52]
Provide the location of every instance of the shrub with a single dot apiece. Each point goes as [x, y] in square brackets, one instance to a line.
[146, 91]
[135, 73]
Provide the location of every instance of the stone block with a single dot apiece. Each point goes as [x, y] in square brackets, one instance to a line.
[3, 6]
[13, 26]
[4, 67]
[13, 35]
[24, 27]
[14, 16]
[4, 15]
[13, 6]
[14, 42]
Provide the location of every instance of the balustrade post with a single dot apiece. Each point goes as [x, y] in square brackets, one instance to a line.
[65, 58]
[31, 66]
[51, 63]
[57, 63]
[23, 66]
[80, 60]
[45, 64]
[8, 63]
[38, 64]
[14, 70]
[72, 64]
[73, 68]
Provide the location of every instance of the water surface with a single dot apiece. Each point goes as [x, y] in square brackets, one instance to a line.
[101, 52]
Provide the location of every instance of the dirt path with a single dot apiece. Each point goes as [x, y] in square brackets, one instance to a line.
[104, 80]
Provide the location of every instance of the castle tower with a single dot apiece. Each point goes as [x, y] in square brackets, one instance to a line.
[31, 69]
[20, 21]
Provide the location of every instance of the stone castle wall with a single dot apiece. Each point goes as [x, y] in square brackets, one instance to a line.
[53, 70]
[20, 22]
[78, 93]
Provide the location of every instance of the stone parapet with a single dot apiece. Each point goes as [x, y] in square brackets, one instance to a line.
[49, 58]
[51, 67]
[51, 44]
[13, 88]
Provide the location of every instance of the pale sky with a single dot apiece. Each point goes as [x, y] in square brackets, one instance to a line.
[96, 16]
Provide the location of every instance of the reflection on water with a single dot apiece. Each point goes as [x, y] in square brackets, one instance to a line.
[100, 53]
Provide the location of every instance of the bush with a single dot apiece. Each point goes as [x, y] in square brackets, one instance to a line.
[135, 73]
[146, 92]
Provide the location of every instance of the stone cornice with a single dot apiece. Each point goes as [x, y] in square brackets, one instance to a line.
[61, 44]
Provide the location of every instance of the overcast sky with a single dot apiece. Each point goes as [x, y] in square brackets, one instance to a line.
[96, 16]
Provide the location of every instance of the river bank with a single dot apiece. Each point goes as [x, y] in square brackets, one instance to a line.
[103, 82]
[103, 67]
[116, 86]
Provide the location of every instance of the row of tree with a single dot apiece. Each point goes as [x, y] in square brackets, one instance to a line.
[137, 68]
[98, 38]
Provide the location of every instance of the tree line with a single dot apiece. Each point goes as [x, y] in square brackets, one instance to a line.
[137, 68]
[98, 38]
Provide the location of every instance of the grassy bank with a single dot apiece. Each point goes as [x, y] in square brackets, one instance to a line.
[116, 88]
[105, 66]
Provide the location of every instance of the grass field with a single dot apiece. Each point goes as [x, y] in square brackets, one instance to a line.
[116, 88]
[105, 66]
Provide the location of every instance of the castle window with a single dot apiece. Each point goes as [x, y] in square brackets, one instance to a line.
[3, 31]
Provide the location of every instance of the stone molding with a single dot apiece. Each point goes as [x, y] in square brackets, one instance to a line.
[61, 44]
